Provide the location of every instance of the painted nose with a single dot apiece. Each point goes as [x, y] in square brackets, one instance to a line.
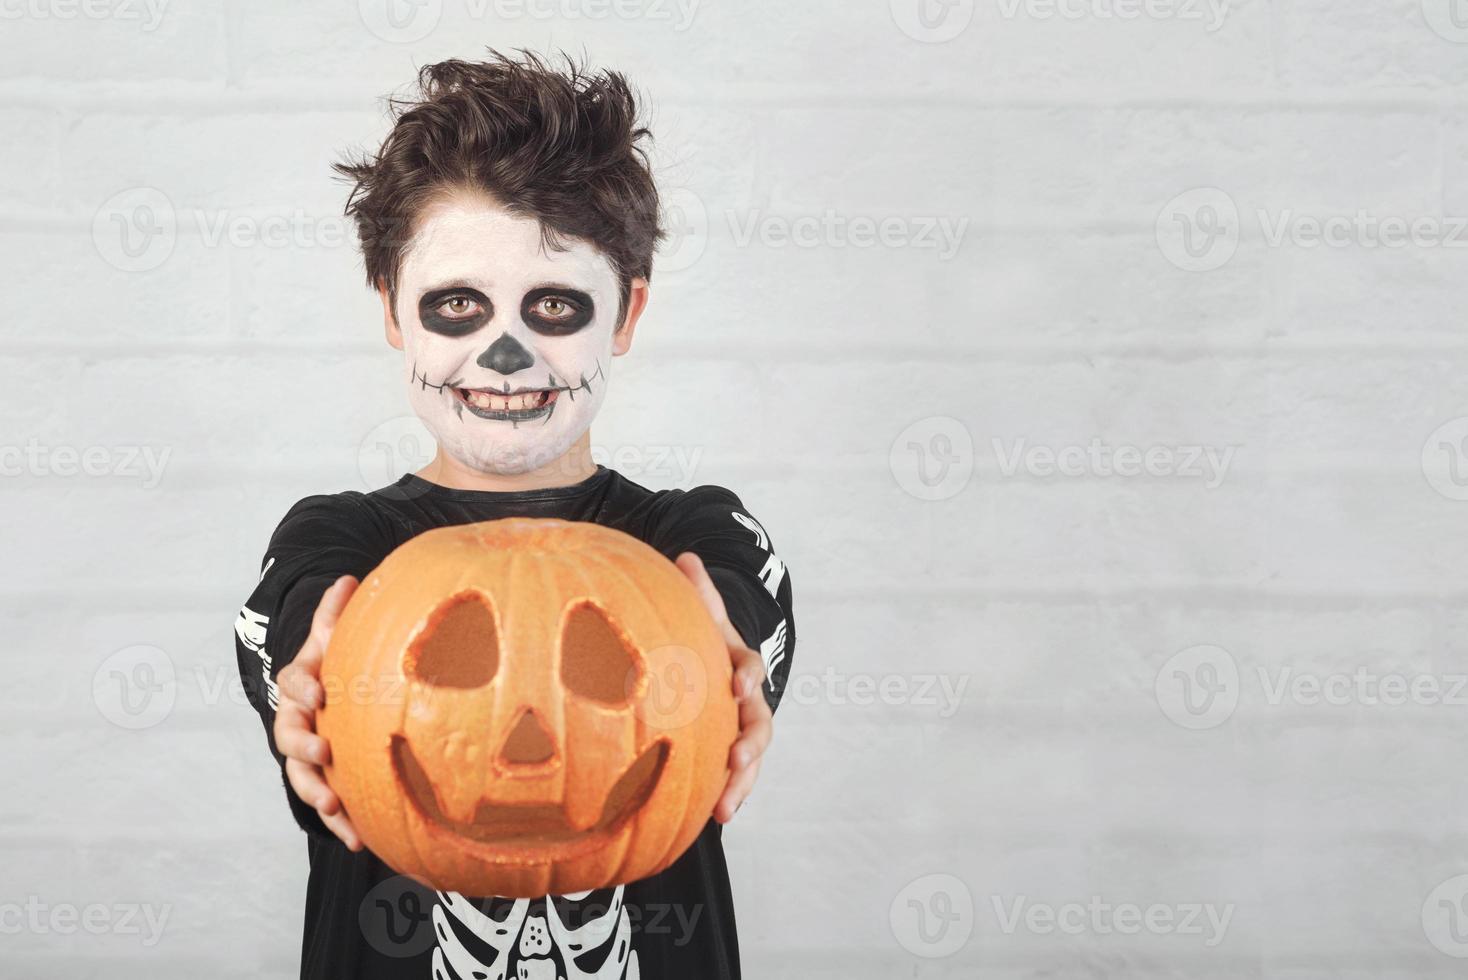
[506, 356]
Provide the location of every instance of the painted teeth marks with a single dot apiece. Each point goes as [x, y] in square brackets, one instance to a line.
[585, 383]
[423, 381]
[533, 403]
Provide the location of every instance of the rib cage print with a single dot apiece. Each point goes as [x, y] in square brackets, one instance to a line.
[537, 939]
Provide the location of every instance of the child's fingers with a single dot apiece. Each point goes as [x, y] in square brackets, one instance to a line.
[295, 740]
[297, 682]
[692, 566]
[301, 694]
[755, 734]
[310, 786]
[328, 611]
[299, 679]
[291, 717]
[341, 825]
[736, 793]
[749, 672]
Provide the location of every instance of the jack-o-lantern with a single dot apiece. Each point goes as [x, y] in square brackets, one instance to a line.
[527, 707]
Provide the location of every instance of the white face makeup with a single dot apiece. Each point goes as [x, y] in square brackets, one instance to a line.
[507, 343]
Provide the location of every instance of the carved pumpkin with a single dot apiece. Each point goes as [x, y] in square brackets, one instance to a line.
[527, 707]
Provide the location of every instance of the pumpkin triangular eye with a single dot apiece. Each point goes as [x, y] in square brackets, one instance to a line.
[597, 661]
[459, 647]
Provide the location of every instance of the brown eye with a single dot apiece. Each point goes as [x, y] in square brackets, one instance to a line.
[454, 311]
[554, 308]
[556, 311]
[459, 647]
[597, 662]
[458, 306]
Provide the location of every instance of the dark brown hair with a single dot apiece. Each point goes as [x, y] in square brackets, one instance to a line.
[559, 145]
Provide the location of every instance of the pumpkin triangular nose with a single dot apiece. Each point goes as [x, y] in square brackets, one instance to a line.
[528, 743]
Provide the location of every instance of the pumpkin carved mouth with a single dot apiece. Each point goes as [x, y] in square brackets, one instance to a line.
[502, 827]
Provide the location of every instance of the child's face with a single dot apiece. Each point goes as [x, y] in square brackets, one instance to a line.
[507, 344]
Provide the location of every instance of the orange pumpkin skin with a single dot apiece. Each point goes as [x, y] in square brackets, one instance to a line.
[526, 707]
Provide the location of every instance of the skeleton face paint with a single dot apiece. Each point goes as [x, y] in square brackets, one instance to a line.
[507, 343]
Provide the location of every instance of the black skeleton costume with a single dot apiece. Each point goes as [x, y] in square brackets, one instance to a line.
[364, 921]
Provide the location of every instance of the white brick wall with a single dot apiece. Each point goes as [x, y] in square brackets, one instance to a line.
[1052, 139]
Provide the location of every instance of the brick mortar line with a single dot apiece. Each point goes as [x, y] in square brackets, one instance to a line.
[182, 94]
[144, 349]
[1251, 479]
[16, 218]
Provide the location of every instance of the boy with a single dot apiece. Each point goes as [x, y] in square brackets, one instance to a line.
[508, 225]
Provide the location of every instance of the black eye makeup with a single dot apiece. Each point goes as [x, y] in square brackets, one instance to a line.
[454, 312]
[556, 311]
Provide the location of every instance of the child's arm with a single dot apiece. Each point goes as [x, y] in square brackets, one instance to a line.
[301, 696]
[752, 580]
[282, 631]
[728, 556]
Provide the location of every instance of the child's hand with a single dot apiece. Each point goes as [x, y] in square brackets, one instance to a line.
[756, 722]
[301, 695]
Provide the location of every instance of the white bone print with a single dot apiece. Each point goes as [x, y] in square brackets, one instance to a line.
[772, 651]
[594, 935]
[761, 539]
[532, 941]
[772, 647]
[500, 936]
[252, 628]
[772, 575]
